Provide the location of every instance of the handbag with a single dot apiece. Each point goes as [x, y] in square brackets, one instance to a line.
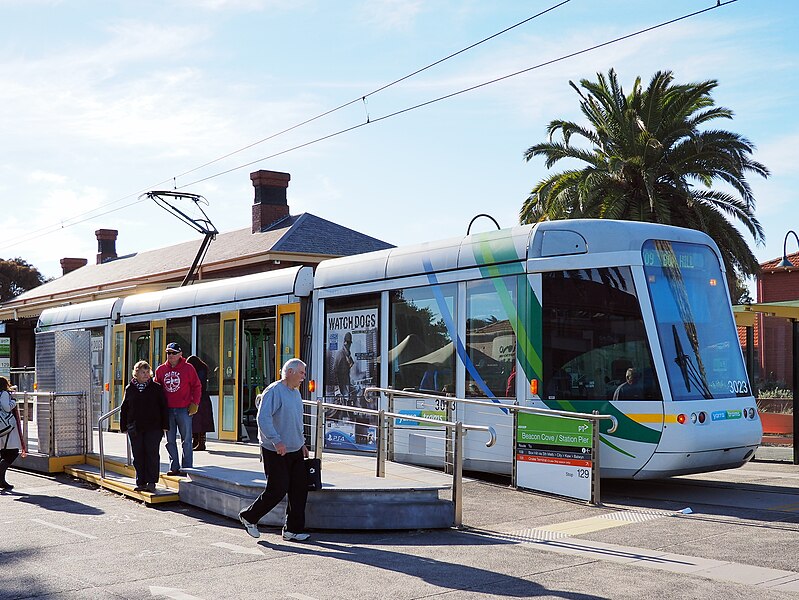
[7, 420]
[313, 470]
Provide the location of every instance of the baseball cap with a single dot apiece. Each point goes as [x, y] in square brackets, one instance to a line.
[173, 347]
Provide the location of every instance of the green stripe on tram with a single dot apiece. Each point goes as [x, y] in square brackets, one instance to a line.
[490, 249]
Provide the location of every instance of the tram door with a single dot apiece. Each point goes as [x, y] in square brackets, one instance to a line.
[157, 332]
[229, 376]
[118, 371]
[288, 334]
[258, 342]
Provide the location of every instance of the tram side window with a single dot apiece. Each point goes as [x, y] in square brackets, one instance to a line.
[179, 330]
[208, 349]
[490, 337]
[595, 344]
[421, 353]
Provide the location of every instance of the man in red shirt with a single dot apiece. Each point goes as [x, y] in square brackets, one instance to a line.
[182, 389]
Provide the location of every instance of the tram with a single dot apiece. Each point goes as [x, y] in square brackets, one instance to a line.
[624, 318]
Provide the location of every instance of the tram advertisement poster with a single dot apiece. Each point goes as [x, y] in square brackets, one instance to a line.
[553, 454]
[351, 367]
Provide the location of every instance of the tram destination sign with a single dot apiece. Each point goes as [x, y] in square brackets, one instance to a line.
[553, 454]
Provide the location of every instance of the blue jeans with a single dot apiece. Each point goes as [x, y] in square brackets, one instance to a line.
[179, 420]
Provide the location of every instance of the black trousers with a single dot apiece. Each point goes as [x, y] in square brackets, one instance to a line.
[146, 456]
[7, 456]
[284, 475]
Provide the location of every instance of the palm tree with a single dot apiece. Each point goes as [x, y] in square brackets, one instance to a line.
[647, 160]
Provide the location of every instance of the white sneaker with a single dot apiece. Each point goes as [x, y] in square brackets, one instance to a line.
[251, 528]
[297, 537]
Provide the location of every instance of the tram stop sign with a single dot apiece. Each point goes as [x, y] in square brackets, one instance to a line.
[553, 454]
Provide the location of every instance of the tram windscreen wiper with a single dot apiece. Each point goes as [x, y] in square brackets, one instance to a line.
[681, 359]
[687, 368]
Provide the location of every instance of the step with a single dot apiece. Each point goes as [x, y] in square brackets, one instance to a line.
[116, 466]
[361, 509]
[121, 483]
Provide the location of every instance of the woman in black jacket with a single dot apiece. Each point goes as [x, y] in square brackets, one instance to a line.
[203, 421]
[144, 416]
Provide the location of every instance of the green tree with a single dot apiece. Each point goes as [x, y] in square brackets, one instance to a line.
[645, 158]
[18, 276]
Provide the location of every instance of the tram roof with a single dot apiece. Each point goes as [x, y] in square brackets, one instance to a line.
[84, 312]
[290, 282]
[541, 240]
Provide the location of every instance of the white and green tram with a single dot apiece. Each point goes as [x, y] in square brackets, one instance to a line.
[624, 318]
[627, 319]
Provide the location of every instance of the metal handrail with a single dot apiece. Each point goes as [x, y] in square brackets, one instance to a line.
[516, 408]
[25, 414]
[513, 407]
[108, 415]
[384, 419]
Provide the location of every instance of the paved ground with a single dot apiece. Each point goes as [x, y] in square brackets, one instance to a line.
[65, 539]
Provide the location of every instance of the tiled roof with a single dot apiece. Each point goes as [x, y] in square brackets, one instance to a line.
[302, 234]
[312, 234]
[773, 264]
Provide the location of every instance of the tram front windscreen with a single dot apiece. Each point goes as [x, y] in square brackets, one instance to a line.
[694, 321]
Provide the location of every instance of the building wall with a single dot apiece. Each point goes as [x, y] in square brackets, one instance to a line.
[776, 358]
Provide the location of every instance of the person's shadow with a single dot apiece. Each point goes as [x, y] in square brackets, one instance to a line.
[56, 503]
[439, 573]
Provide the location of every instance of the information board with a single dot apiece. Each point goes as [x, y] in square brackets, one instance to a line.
[553, 454]
[5, 357]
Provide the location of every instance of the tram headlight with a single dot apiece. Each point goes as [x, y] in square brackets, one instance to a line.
[693, 418]
[702, 417]
[681, 419]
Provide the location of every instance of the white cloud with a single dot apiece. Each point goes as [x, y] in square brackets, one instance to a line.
[391, 14]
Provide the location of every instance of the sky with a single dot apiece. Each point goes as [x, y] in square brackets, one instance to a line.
[103, 100]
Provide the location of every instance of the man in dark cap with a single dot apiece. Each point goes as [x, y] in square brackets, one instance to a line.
[182, 389]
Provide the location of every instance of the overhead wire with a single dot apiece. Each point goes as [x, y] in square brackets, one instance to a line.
[459, 92]
[69, 222]
[62, 225]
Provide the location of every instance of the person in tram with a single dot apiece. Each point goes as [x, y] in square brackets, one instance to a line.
[282, 438]
[183, 390]
[144, 417]
[12, 444]
[203, 421]
[628, 389]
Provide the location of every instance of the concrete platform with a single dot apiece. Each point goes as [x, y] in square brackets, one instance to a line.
[228, 476]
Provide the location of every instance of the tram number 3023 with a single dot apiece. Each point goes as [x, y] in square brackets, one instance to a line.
[738, 386]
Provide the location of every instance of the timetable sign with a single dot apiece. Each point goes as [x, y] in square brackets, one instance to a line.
[553, 454]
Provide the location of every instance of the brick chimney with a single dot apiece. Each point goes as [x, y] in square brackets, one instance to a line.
[106, 244]
[70, 264]
[270, 198]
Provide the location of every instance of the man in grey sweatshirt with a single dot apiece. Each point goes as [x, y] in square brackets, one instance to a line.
[280, 432]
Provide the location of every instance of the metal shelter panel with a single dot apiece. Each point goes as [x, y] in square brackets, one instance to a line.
[63, 367]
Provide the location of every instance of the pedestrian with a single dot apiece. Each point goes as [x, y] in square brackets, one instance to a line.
[144, 417]
[281, 434]
[182, 390]
[13, 442]
[203, 421]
